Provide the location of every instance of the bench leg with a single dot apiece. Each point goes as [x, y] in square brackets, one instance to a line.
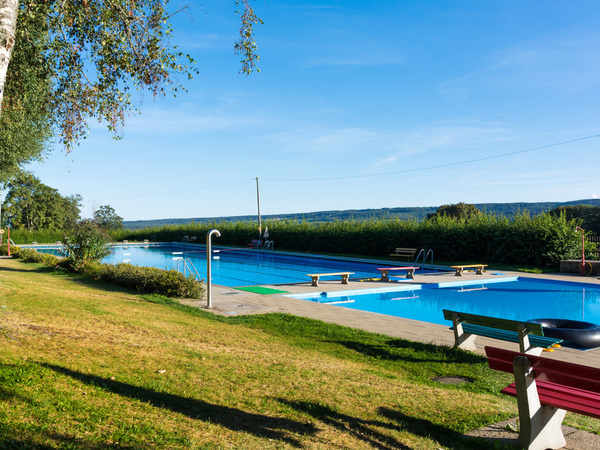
[315, 280]
[459, 272]
[385, 275]
[462, 340]
[479, 271]
[540, 425]
[410, 273]
[345, 278]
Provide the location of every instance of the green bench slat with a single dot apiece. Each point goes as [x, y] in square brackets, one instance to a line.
[501, 329]
[494, 322]
[510, 336]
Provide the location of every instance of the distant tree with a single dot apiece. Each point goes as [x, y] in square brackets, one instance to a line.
[589, 216]
[32, 205]
[107, 219]
[456, 211]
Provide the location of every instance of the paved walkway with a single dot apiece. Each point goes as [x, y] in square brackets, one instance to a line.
[229, 301]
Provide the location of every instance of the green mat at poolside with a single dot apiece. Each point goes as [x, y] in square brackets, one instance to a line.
[261, 290]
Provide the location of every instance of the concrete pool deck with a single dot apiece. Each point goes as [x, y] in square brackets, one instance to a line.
[230, 302]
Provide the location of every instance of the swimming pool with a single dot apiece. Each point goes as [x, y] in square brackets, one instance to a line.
[236, 267]
[518, 298]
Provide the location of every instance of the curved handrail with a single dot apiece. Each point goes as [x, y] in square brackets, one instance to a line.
[421, 252]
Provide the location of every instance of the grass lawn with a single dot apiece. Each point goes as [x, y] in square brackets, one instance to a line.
[88, 365]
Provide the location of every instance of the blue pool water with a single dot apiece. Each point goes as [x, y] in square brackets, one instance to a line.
[510, 298]
[237, 267]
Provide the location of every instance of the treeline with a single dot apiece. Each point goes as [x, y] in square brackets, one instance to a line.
[542, 240]
[37, 212]
[404, 213]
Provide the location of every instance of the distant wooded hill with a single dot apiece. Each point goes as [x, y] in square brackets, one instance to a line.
[418, 213]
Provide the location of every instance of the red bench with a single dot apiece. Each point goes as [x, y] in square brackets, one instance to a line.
[385, 272]
[545, 390]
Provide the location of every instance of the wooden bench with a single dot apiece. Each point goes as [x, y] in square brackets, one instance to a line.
[315, 276]
[478, 268]
[385, 272]
[529, 336]
[404, 252]
[545, 389]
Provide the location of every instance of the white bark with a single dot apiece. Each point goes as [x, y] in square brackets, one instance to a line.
[8, 24]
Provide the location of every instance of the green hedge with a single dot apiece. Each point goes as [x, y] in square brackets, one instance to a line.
[543, 240]
[20, 237]
[147, 280]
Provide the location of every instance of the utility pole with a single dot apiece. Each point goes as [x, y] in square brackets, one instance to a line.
[258, 204]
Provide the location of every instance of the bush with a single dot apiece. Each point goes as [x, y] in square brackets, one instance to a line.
[147, 280]
[31, 255]
[4, 250]
[85, 243]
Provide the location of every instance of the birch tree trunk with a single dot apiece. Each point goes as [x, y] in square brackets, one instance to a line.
[8, 24]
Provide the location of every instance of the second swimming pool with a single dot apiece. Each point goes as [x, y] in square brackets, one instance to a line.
[517, 298]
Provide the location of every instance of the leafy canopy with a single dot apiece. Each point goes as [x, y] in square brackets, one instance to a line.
[456, 211]
[75, 60]
[588, 216]
[107, 218]
[26, 118]
[30, 204]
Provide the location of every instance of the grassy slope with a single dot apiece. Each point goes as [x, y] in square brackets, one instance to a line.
[85, 365]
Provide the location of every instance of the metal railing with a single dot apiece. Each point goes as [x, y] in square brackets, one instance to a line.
[426, 254]
[187, 267]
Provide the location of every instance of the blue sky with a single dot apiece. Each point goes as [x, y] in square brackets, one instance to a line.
[359, 105]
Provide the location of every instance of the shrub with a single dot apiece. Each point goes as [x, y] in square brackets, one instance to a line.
[147, 280]
[4, 250]
[31, 255]
[85, 243]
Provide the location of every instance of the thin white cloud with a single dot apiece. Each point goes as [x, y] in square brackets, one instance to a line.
[438, 138]
[315, 140]
[567, 61]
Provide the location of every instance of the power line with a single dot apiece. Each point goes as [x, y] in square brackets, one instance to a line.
[182, 190]
[438, 166]
[349, 177]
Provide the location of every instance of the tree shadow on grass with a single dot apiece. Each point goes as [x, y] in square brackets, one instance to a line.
[62, 441]
[16, 444]
[444, 436]
[234, 419]
[101, 285]
[44, 269]
[364, 430]
[385, 351]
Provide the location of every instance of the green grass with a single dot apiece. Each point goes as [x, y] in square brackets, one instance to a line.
[88, 365]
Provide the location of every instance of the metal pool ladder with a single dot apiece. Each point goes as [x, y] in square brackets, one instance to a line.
[425, 256]
[188, 267]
